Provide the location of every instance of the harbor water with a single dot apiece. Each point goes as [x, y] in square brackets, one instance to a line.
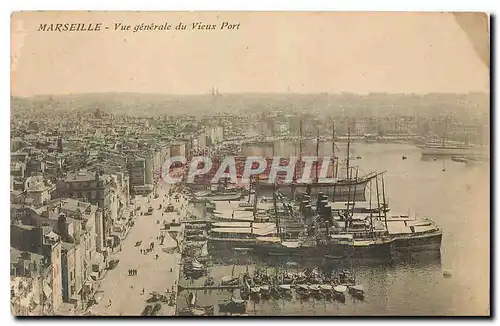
[454, 195]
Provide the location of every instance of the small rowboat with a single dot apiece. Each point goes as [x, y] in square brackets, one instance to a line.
[340, 291]
[357, 292]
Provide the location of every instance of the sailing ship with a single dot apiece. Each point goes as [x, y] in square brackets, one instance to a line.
[338, 189]
[379, 235]
[449, 149]
[341, 188]
[221, 192]
[318, 232]
[313, 228]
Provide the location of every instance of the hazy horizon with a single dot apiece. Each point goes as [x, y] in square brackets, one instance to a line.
[250, 93]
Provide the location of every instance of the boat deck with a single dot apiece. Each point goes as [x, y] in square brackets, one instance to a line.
[407, 227]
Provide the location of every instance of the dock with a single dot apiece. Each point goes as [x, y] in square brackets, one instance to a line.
[213, 287]
[197, 221]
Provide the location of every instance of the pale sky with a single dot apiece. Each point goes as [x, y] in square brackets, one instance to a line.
[271, 52]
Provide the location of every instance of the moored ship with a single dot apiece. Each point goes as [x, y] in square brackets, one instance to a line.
[221, 192]
[319, 225]
[445, 148]
[412, 235]
[369, 233]
[452, 150]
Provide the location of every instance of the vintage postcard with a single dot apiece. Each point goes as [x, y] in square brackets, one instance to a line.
[250, 163]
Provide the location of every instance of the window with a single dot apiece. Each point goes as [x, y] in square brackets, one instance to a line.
[71, 276]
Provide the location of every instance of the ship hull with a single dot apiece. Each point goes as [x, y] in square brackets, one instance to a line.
[373, 251]
[338, 192]
[222, 246]
[428, 242]
[462, 152]
[379, 250]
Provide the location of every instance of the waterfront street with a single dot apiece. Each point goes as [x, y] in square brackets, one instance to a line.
[121, 293]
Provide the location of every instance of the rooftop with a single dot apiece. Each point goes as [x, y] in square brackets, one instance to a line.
[66, 246]
[80, 176]
[16, 255]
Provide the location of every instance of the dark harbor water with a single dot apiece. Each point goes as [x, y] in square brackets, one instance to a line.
[457, 199]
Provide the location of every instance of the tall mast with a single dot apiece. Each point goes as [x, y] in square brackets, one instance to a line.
[336, 168]
[378, 197]
[348, 153]
[335, 162]
[250, 188]
[300, 145]
[298, 164]
[348, 194]
[300, 135]
[445, 130]
[255, 196]
[383, 196]
[317, 156]
[333, 146]
[371, 212]
[274, 203]
[354, 199]
[276, 211]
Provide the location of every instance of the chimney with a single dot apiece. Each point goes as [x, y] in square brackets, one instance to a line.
[62, 226]
[26, 255]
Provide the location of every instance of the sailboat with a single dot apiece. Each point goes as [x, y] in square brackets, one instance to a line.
[191, 299]
[193, 268]
[357, 292]
[230, 280]
[339, 292]
[233, 305]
